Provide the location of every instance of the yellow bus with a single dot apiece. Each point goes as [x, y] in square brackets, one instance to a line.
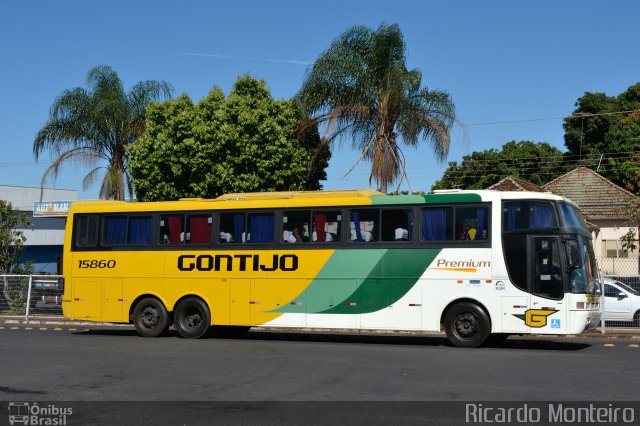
[474, 263]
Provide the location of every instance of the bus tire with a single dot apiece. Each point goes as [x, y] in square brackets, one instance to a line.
[150, 318]
[192, 318]
[467, 325]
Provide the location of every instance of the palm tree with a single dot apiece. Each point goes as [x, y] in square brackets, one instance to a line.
[93, 126]
[360, 86]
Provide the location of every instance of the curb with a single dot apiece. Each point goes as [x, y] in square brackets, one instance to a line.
[633, 334]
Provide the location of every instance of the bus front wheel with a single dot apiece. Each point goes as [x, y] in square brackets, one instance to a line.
[467, 325]
[192, 318]
[150, 318]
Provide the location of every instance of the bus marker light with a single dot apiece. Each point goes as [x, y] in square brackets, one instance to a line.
[488, 281]
[349, 304]
[580, 305]
[296, 303]
[415, 304]
[254, 303]
[460, 281]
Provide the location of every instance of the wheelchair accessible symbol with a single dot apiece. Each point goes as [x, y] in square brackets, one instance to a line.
[555, 323]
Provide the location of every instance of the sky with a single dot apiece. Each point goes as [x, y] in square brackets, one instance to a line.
[512, 68]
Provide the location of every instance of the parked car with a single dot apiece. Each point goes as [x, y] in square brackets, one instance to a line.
[621, 302]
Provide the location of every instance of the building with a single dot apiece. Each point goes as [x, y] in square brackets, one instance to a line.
[43, 246]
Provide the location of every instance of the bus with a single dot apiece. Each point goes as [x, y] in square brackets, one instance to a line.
[478, 264]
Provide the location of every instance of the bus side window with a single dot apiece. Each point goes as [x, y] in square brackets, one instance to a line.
[472, 222]
[437, 224]
[199, 229]
[326, 226]
[364, 225]
[397, 225]
[87, 230]
[171, 229]
[295, 226]
[140, 230]
[261, 226]
[232, 228]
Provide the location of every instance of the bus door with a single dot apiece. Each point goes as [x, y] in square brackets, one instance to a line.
[548, 311]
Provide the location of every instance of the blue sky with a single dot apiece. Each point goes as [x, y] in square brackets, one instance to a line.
[499, 60]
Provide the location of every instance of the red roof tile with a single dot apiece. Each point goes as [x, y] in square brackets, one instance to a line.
[597, 197]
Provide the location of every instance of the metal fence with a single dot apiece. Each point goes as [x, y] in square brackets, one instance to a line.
[618, 265]
[31, 294]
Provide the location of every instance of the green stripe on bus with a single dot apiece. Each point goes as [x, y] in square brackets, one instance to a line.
[337, 280]
[362, 281]
[425, 199]
[401, 269]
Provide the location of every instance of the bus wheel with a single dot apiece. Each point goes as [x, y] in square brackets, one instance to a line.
[467, 325]
[192, 318]
[150, 318]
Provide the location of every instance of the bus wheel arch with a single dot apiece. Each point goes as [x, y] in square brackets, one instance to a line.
[192, 317]
[150, 316]
[467, 323]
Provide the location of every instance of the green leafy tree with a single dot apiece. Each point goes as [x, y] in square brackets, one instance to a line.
[12, 241]
[610, 141]
[93, 126]
[242, 143]
[360, 87]
[537, 163]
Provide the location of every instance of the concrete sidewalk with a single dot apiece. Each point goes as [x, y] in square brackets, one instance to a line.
[55, 320]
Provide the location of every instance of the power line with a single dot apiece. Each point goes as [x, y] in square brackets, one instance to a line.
[575, 115]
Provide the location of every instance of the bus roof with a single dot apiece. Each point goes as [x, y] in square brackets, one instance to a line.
[358, 197]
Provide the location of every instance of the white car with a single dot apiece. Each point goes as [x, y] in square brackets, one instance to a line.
[621, 302]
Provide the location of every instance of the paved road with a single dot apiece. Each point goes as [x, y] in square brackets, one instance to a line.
[116, 365]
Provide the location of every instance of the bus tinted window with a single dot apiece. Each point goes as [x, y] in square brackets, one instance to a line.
[472, 223]
[232, 228]
[140, 230]
[310, 226]
[295, 226]
[437, 224]
[115, 230]
[397, 225]
[171, 228]
[528, 214]
[198, 229]
[261, 226]
[86, 231]
[364, 225]
[571, 217]
[326, 227]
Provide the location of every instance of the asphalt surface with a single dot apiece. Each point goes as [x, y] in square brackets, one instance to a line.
[266, 377]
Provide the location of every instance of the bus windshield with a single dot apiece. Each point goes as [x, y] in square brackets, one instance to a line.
[582, 267]
[571, 217]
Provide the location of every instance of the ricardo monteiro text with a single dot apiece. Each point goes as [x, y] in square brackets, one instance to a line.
[238, 262]
[550, 413]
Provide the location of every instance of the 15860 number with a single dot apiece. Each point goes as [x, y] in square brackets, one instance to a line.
[96, 264]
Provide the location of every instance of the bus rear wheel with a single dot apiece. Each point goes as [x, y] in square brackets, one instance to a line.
[150, 318]
[192, 318]
[467, 325]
